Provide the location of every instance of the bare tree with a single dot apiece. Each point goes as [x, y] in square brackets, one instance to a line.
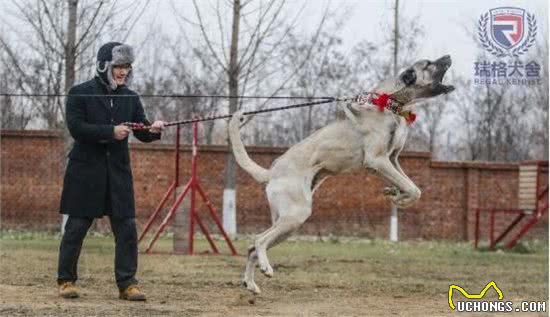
[11, 118]
[429, 128]
[371, 57]
[174, 68]
[395, 37]
[47, 62]
[70, 45]
[328, 72]
[540, 102]
[494, 121]
[249, 59]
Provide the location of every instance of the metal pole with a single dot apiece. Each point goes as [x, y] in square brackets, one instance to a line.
[510, 227]
[168, 217]
[394, 220]
[394, 224]
[216, 220]
[173, 188]
[156, 212]
[193, 186]
[176, 181]
[193, 183]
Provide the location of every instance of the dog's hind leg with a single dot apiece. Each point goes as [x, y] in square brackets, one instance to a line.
[290, 205]
[286, 224]
[248, 279]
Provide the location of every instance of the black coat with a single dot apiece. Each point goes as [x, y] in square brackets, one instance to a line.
[98, 179]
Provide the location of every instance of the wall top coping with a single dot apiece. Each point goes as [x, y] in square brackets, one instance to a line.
[31, 133]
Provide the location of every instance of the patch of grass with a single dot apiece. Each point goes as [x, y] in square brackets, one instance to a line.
[348, 277]
[522, 247]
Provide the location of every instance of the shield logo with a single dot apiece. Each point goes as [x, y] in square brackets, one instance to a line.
[507, 26]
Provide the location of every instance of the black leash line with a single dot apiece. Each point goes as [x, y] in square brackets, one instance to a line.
[249, 112]
[168, 96]
[139, 126]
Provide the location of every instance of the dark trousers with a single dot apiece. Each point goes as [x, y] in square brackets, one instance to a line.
[126, 251]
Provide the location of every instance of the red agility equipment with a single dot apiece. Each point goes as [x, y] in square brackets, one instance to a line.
[193, 186]
[533, 203]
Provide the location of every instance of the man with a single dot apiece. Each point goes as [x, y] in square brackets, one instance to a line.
[98, 179]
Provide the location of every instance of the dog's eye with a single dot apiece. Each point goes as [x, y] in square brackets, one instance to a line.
[408, 77]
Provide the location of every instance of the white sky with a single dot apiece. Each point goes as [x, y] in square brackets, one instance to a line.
[446, 22]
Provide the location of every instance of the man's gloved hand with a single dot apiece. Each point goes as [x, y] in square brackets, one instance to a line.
[121, 132]
[157, 126]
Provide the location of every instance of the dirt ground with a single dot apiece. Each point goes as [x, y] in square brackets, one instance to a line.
[333, 278]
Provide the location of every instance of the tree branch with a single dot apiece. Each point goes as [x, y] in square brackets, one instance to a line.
[206, 38]
[54, 26]
[88, 28]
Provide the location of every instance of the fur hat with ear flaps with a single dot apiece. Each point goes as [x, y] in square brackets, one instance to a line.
[109, 55]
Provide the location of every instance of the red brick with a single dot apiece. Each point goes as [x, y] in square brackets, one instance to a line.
[349, 204]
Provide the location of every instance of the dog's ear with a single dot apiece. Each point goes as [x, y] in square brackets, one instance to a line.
[408, 77]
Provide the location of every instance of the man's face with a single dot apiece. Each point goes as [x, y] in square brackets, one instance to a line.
[120, 72]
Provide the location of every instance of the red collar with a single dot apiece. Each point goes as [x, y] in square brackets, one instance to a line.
[384, 101]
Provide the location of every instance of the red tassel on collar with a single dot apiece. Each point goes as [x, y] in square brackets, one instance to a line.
[381, 101]
[409, 116]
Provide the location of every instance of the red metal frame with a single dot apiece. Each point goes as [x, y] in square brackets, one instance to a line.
[534, 218]
[541, 208]
[193, 186]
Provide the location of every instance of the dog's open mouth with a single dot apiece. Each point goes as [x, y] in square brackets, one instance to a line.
[443, 64]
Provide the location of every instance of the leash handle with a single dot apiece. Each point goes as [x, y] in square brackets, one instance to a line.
[136, 125]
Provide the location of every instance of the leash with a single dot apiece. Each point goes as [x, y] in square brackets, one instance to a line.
[141, 126]
[381, 101]
[168, 96]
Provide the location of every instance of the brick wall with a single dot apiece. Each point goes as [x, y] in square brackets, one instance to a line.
[32, 165]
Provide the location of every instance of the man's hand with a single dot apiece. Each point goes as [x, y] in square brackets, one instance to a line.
[121, 132]
[157, 126]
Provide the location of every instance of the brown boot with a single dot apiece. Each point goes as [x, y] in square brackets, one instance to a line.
[132, 293]
[68, 290]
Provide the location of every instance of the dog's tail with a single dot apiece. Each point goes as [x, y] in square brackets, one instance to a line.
[259, 173]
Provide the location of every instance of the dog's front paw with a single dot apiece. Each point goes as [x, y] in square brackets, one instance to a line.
[267, 270]
[399, 203]
[405, 199]
[391, 191]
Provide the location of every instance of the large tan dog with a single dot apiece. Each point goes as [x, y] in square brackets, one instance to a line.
[372, 136]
